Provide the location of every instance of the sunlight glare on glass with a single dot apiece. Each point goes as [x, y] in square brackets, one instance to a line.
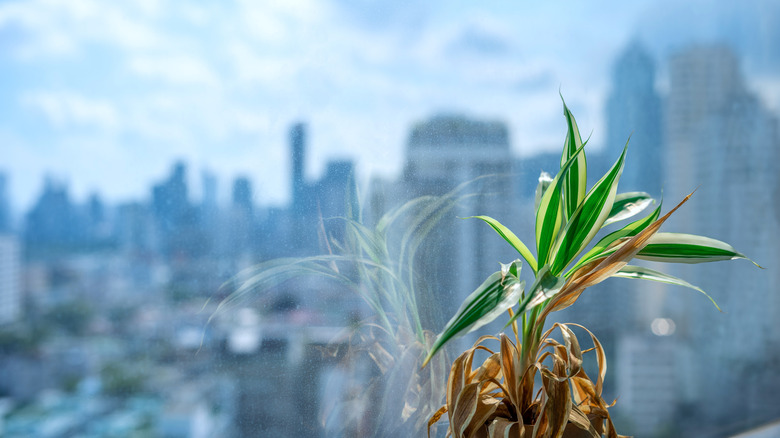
[662, 327]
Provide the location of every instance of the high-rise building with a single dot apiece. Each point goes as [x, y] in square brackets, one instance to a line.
[209, 199]
[634, 109]
[5, 208]
[175, 216]
[704, 81]
[53, 221]
[242, 194]
[721, 139]
[652, 380]
[10, 279]
[298, 155]
[169, 199]
[242, 221]
[442, 153]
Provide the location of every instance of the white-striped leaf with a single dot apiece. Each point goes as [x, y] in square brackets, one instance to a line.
[548, 214]
[545, 287]
[544, 183]
[687, 248]
[632, 229]
[588, 218]
[627, 205]
[576, 180]
[511, 238]
[493, 297]
[643, 273]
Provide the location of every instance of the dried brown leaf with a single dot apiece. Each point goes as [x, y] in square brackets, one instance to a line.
[464, 409]
[435, 418]
[579, 419]
[503, 428]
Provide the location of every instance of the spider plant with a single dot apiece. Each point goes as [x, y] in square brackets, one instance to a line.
[568, 219]
[377, 264]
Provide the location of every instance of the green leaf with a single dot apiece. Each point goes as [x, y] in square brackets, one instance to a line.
[510, 237]
[544, 183]
[548, 214]
[630, 230]
[576, 180]
[588, 218]
[545, 287]
[492, 298]
[687, 248]
[643, 273]
[627, 205]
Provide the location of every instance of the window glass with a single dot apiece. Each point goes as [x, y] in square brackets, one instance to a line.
[246, 218]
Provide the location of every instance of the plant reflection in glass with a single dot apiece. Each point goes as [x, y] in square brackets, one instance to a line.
[497, 398]
[377, 264]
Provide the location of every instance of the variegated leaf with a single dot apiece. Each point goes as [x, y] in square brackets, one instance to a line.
[627, 205]
[643, 273]
[544, 183]
[576, 179]
[587, 220]
[492, 298]
[545, 287]
[600, 249]
[512, 239]
[548, 214]
[687, 248]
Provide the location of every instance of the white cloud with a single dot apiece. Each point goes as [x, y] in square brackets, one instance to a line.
[63, 27]
[175, 69]
[250, 66]
[68, 109]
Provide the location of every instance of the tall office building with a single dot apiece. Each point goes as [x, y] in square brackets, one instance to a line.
[5, 207]
[54, 220]
[242, 194]
[634, 109]
[298, 155]
[242, 220]
[10, 279]
[721, 139]
[442, 153]
[174, 214]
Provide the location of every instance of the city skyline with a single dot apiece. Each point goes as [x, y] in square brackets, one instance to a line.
[148, 276]
[136, 87]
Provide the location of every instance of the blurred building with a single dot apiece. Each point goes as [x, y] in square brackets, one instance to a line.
[720, 138]
[242, 224]
[317, 209]
[442, 153]
[54, 221]
[10, 279]
[5, 205]
[633, 110]
[651, 381]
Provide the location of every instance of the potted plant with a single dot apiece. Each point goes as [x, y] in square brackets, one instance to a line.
[499, 397]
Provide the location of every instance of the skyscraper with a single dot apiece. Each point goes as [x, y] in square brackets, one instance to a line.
[721, 138]
[634, 109]
[442, 153]
[298, 155]
[242, 194]
[5, 208]
[10, 279]
[53, 221]
[175, 217]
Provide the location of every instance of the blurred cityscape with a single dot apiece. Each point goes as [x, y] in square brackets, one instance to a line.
[109, 323]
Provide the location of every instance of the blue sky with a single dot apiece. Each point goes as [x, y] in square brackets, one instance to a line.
[106, 95]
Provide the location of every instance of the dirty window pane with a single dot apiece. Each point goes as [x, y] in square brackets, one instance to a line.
[194, 199]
